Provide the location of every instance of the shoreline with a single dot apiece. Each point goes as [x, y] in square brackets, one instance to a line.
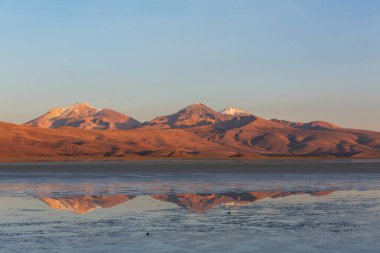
[188, 166]
[213, 158]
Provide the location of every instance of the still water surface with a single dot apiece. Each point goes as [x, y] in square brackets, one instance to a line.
[187, 206]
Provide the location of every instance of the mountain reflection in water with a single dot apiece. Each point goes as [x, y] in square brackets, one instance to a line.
[193, 202]
[187, 207]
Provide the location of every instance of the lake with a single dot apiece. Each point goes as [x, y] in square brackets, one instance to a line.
[191, 206]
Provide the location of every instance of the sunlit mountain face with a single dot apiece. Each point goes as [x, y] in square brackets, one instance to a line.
[84, 116]
[193, 202]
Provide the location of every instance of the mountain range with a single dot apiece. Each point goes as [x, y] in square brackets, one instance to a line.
[84, 132]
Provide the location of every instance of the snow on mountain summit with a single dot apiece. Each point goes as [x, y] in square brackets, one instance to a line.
[234, 112]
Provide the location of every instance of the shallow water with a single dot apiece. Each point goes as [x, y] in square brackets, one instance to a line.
[187, 206]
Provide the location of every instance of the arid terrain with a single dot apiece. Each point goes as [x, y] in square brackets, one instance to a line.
[82, 132]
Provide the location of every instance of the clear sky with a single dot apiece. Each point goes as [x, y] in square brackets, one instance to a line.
[289, 59]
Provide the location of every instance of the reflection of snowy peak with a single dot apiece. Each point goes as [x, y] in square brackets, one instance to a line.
[234, 112]
[84, 116]
[202, 202]
[85, 204]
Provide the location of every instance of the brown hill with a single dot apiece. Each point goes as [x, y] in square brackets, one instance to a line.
[275, 139]
[84, 116]
[311, 125]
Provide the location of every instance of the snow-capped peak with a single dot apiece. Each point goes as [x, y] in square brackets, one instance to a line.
[84, 116]
[233, 111]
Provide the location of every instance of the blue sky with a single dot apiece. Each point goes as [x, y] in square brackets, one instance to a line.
[290, 59]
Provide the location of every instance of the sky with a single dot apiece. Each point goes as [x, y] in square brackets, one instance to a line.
[287, 59]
